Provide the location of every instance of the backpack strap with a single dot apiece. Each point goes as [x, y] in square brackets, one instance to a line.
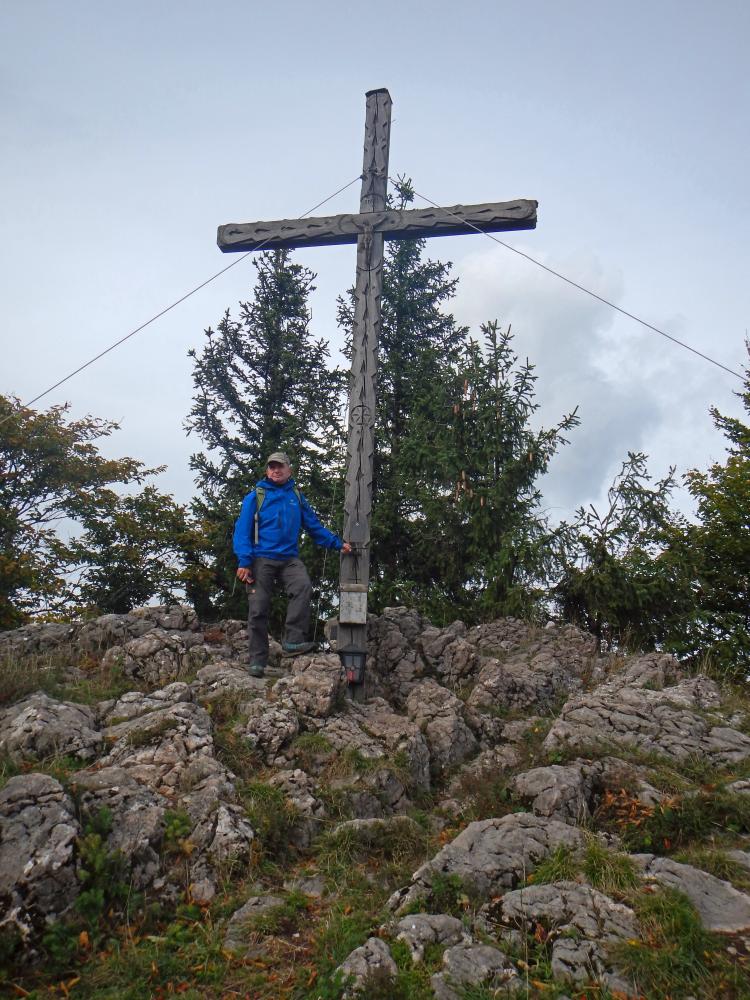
[260, 496]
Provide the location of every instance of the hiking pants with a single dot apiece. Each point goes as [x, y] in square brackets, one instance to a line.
[293, 576]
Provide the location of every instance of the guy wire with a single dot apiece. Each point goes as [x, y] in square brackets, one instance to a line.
[575, 284]
[177, 302]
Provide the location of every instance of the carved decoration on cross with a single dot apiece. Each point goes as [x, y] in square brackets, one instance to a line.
[373, 224]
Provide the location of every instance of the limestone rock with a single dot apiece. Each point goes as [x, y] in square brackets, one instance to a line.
[721, 907]
[135, 703]
[450, 656]
[394, 662]
[439, 715]
[157, 657]
[221, 834]
[485, 772]
[226, 677]
[571, 792]
[137, 818]
[581, 922]
[671, 721]
[299, 789]
[98, 635]
[172, 617]
[376, 732]
[38, 882]
[37, 639]
[533, 669]
[268, 728]
[238, 936]
[316, 686]
[372, 957]
[159, 747]
[473, 965]
[491, 856]
[420, 929]
[397, 735]
[39, 727]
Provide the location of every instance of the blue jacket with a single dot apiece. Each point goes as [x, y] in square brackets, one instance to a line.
[281, 518]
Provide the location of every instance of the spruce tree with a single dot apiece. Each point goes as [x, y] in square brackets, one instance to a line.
[262, 383]
[720, 545]
[456, 527]
[493, 539]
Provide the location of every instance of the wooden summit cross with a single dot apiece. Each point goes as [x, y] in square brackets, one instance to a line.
[368, 230]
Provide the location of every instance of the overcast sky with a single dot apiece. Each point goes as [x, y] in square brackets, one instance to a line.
[132, 130]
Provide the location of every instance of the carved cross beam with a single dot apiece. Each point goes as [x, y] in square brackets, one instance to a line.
[407, 224]
[368, 229]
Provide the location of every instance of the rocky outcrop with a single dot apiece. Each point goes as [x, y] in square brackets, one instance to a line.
[581, 923]
[491, 856]
[455, 717]
[38, 882]
[40, 727]
[674, 721]
[720, 906]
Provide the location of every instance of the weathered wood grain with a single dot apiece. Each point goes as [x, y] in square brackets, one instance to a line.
[355, 569]
[407, 224]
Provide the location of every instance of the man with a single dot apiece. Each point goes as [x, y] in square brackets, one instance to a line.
[266, 545]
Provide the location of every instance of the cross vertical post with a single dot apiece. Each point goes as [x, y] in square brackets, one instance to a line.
[355, 568]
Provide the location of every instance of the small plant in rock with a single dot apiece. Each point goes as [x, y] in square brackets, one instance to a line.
[143, 735]
[311, 750]
[716, 862]
[610, 872]
[236, 753]
[226, 708]
[271, 815]
[344, 928]
[411, 982]
[104, 893]
[562, 865]
[683, 820]
[21, 676]
[177, 829]
[449, 893]
[486, 795]
[9, 768]
[100, 871]
[398, 839]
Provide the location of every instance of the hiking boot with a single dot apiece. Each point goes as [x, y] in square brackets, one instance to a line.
[297, 648]
[256, 670]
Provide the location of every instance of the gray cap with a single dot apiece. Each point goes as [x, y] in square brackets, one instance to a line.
[279, 456]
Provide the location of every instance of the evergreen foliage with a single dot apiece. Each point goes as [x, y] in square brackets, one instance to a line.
[720, 546]
[623, 574]
[496, 462]
[418, 355]
[262, 383]
[456, 528]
